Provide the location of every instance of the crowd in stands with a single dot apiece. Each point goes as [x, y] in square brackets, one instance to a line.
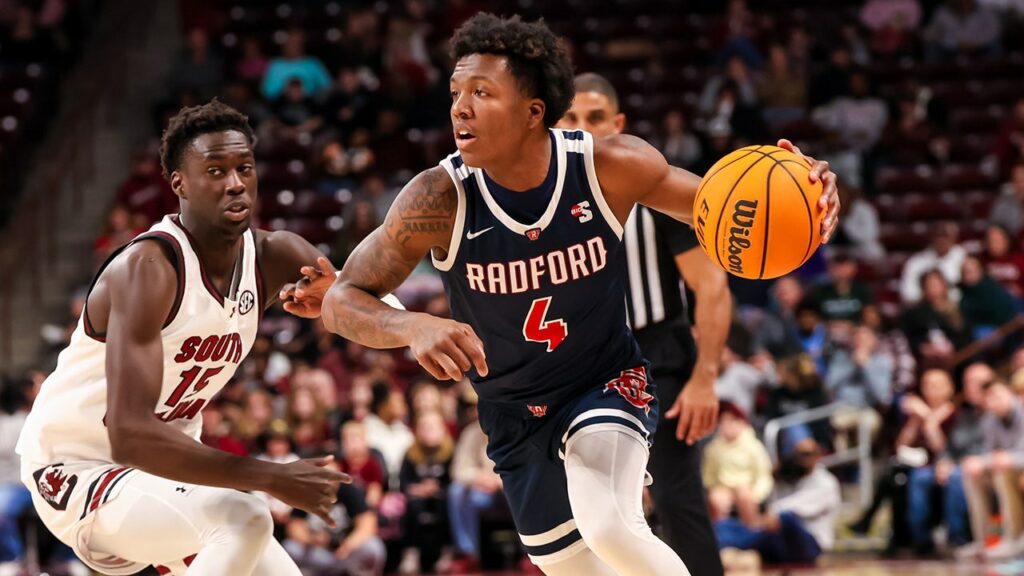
[907, 319]
[38, 40]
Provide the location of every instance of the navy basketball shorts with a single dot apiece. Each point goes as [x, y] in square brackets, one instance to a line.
[528, 449]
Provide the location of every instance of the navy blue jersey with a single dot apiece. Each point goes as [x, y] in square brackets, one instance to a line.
[546, 296]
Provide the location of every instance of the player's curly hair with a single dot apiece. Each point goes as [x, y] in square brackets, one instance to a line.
[191, 123]
[536, 57]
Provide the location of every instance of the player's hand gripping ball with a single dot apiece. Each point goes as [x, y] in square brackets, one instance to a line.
[757, 213]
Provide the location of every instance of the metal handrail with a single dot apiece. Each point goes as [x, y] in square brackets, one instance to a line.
[860, 453]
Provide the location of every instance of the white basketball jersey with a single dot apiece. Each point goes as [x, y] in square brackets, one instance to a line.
[205, 337]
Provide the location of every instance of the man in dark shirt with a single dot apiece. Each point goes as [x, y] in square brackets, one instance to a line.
[843, 297]
[352, 547]
[660, 253]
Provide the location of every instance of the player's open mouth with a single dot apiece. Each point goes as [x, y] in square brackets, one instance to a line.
[464, 138]
[237, 212]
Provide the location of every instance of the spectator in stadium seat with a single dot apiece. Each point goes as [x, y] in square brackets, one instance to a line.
[294, 63]
[25, 41]
[1008, 145]
[680, 146]
[893, 343]
[800, 522]
[800, 389]
[350, 548]
[905, 140]
[306, 417]
[119, 230]
[856, 119]
[253, 64]
[842, 298]
[475, 488]
[782, 89]
[999, 467]
[774, 327]
[740, 379]
[15, 498]
[812, 332]
[386, 430]
[736, 34]
[893, 24]
[934, 327]
[859, 374]
[876, 14]
[859, 231]
[145, 191]
[359, 462]
[947, 439]
[961, 27]
[199, 67]
[1008, 209]
[296, 114]
[943, 254]
[1003, 263]
[736, 469]
[834, 80]
[351, 103]
[984, 303]
[737, 72]
[425, 477]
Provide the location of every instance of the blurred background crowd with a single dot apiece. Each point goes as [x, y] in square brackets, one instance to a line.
[904, 331]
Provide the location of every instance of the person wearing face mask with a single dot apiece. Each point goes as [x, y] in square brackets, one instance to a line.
[800, 521]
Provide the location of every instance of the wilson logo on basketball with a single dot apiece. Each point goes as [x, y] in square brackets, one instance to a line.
[743, 216]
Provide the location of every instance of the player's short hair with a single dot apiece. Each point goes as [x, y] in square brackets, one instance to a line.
[590, 82]
[536, 57]
[194, 121]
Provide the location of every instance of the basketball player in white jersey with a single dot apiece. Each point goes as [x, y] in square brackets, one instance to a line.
[111, 449]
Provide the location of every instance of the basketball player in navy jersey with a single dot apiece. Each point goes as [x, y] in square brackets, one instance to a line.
[663, 250]
[111, 449]
[525, 222]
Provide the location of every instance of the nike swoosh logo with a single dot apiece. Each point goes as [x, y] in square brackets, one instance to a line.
[471, 235]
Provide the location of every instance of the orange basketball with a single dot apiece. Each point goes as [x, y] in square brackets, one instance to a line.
[756, 213]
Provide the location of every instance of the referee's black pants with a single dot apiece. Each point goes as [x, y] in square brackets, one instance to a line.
[678, 489]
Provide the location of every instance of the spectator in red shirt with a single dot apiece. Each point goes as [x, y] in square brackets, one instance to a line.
[145, 191]
[117, 232]
[1002, 263]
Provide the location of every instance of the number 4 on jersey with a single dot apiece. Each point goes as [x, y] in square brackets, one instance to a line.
[537, 329]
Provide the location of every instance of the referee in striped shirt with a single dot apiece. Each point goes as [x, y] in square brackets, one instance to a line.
[660, 250]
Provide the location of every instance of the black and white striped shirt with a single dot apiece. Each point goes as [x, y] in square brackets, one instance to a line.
[654, 292]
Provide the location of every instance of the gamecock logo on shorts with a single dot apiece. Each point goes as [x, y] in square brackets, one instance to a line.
[538, 411]
[55, 485]
[632, 385]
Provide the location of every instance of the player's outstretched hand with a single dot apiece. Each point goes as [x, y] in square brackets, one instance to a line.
[305, 297]
[830, 194]
[446, 348]
[310, 484]
[697, 410]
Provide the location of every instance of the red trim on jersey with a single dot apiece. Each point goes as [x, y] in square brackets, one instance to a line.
[210, 287]
[180, 295]
[260, 298]
[180, 273]
[188, 560]
[107, 478]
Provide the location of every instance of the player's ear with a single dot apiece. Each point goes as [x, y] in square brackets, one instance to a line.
[177, 184]
[619, 121]
[536, 110]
